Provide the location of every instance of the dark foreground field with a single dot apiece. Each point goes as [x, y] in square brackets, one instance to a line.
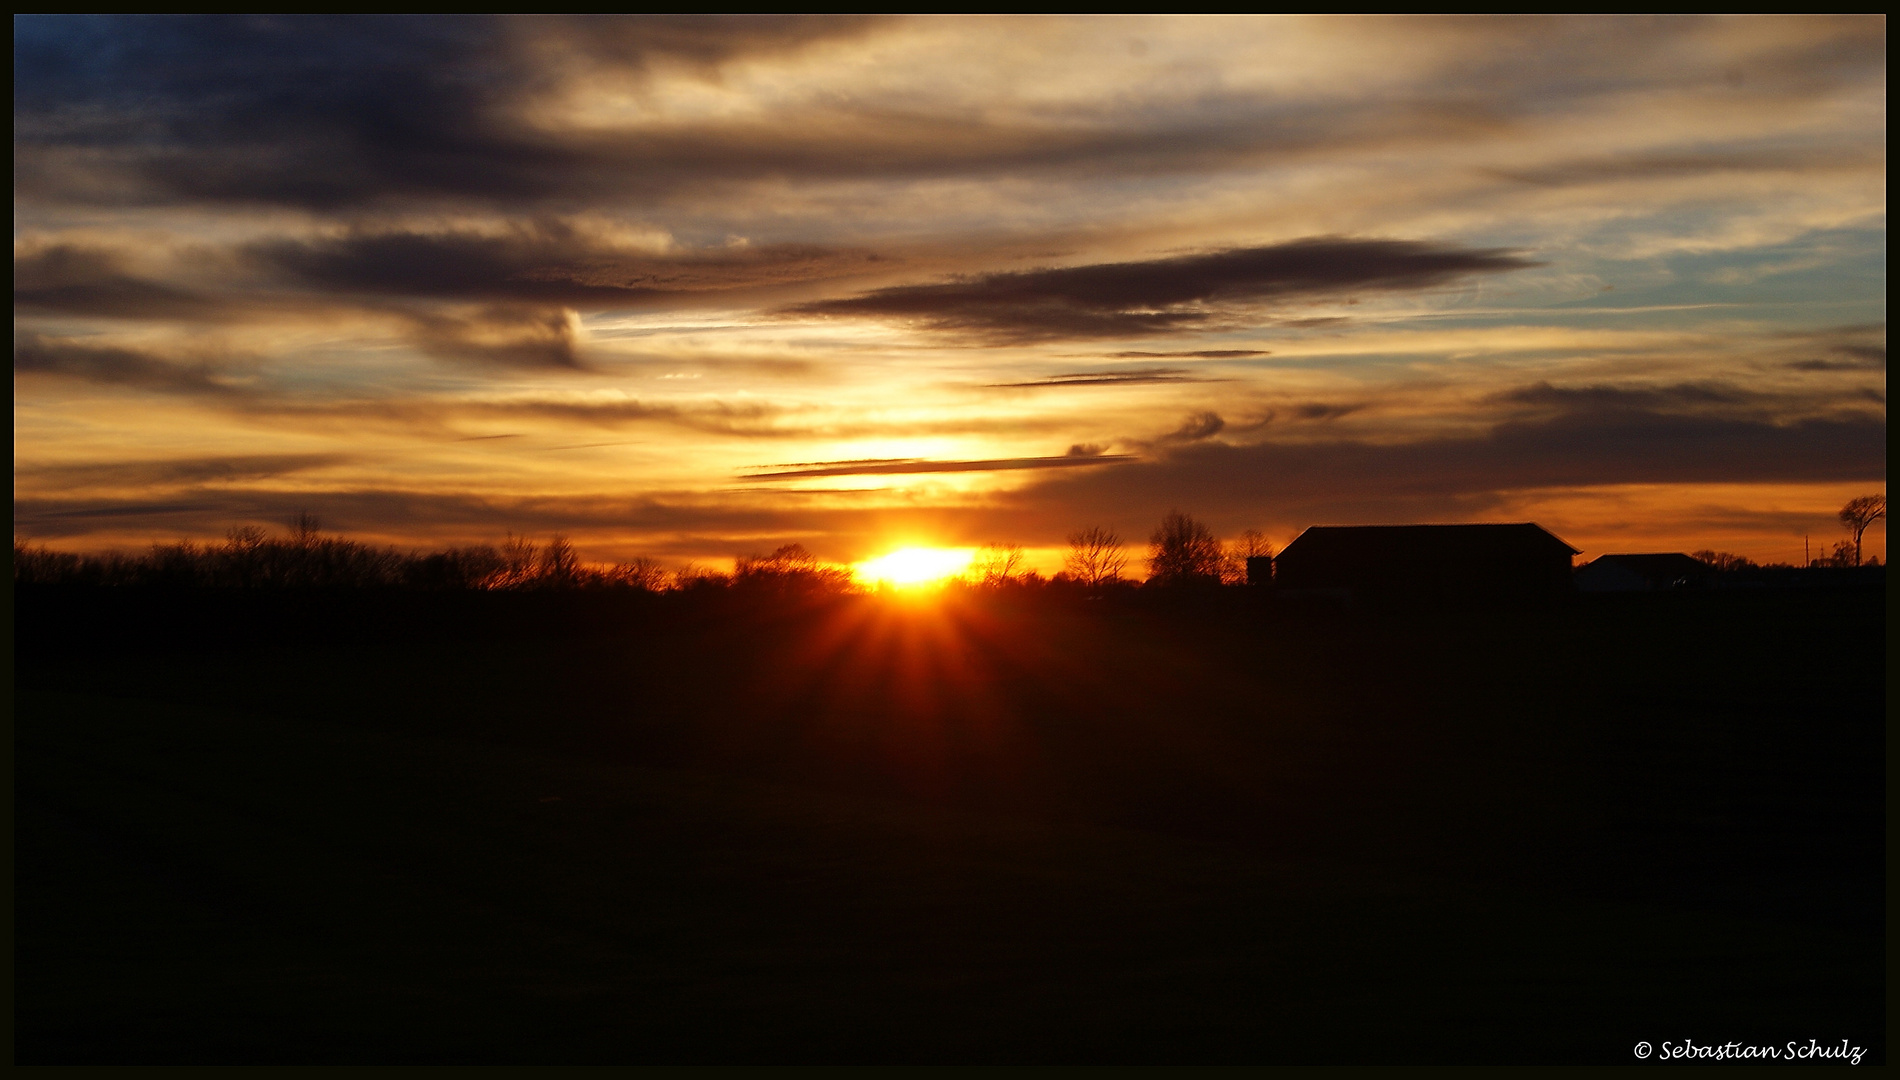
[494, 828]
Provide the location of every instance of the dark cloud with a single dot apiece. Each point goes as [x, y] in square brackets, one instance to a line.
[1319, 410]
[1711, 399]
[1233, 487]
[1350, 480]
[73, 279]
[327, 112]
[333, 113]
[1108, 378]
[1776, 158]
[39, 355]
[505, 336]
[1194, 354]
[148, 474]
[1077, 456]
[1602, 397]
[1164, 295]
[1202, 425]
[1856, 358]
[548, 262]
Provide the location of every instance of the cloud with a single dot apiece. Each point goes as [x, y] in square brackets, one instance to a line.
[73, 279]
[330, 112]
[1287, 484]
[1202, 425]
[1359, 480]
[1319, 410]
[1605, 397]
[507, 336]
[39, 355]
[1188, 292]
[1107, 378]
[1712, 398]
[150, 474]
[1195, 354]
[1077, 456]
[1644, 166]
[352, 114]
[548, 262]
[1857, 358]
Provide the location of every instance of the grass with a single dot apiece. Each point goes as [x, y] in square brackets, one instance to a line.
[1031, 833]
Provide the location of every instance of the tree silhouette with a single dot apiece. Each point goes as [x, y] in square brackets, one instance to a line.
[1095, 557]
[303, 530]
[789, 569]
[996, 565]
[517, 564]
[642, 573]
[559, 564]
[1860, 513]
[1251, 545]
[1183, 552]
[1722, 561]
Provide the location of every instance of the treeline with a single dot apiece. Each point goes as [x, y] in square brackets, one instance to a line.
[1182, 553]
[305, 559]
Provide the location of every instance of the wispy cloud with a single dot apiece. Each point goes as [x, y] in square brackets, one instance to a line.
[1159, 296]
[1134, 376]
[903, 466]
[176, 472]
[1192, 354]
[1346, 268]
[35, 354]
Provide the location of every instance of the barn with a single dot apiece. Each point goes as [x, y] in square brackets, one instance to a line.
[1652, 572]
[1441, 564]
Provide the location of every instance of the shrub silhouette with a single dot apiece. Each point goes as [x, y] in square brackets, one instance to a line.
[789, 569]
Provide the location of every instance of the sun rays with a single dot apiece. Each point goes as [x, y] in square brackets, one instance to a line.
[914, 567]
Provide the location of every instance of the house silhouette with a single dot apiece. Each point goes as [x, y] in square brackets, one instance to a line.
[1443, 564]
[1653, 572]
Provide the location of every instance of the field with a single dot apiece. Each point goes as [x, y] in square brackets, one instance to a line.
[407, 827]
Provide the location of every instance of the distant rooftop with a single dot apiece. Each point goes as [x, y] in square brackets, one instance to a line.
[1429, 541]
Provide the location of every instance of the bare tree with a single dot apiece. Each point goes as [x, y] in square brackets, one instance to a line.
[303, 530]
[1182, 552]
[517, 564]
[997, 564]
[694, 576]
[790, 569]
[559, 565]
[1722, 561]
[1860, 513]
[642, 573]
[1095, 557]
[1251, 545]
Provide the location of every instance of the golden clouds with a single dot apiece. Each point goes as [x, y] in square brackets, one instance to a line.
[1408, 267]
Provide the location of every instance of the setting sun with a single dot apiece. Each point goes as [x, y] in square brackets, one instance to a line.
[914, 566]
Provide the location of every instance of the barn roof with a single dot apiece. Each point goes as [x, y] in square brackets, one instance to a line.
[1657, 565]
[1424, 541]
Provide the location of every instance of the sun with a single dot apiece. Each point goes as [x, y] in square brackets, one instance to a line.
[912, 567]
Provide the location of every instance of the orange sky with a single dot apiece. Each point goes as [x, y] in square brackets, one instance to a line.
[693, 288]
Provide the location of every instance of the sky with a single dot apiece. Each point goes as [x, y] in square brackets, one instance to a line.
[693, 288]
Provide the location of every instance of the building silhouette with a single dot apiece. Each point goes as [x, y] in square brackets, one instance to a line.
[1654, 572]
[1444, 564]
